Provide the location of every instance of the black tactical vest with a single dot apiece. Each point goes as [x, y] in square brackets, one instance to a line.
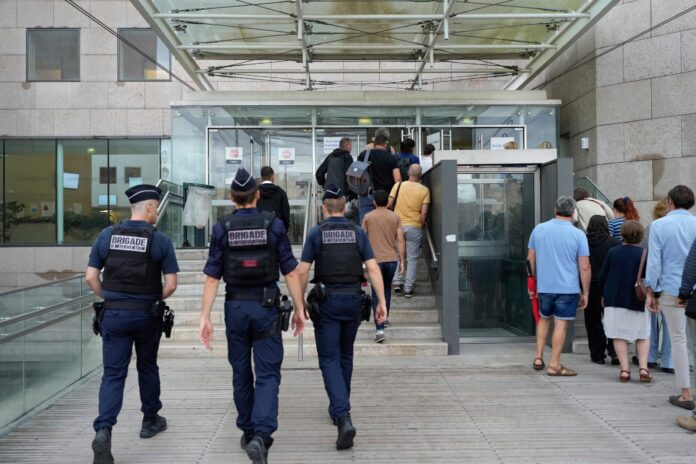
[250, 260]
[339, 260]
[129, 266]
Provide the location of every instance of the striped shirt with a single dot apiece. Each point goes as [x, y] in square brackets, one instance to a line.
[689, 275]
[615, 228]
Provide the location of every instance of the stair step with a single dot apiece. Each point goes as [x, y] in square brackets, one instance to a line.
[425, 347]
[581, 346]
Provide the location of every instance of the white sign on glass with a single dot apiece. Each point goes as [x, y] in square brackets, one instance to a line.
[286, 155]
[234, 155]
[331, 143]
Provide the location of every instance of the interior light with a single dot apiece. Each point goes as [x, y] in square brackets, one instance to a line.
[466, 121]
[266, 121]
[91, 150]
[364, 121]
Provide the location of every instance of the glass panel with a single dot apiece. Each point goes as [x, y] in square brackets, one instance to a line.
[134, 161]
[188, 142]
[91, 344]
[366, 116]
[496, 217]
[498, 138]
[11, 380]
[83, 185]
[2, 193]
[542, 126]
[30, 199]
[132, 66]
[53, 54]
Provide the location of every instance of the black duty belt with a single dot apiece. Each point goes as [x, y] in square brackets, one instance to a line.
[247, 294]
[343, 291]
[127, 305]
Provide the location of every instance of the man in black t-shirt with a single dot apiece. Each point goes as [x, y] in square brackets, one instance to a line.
[383, 171]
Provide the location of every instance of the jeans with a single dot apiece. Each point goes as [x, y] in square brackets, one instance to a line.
[413, 237]
[599, 345]
[562, 306]
[676, 321]
[387, 268]
[661, 351]
[365, 205]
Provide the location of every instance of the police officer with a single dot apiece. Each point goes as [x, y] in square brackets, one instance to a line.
[247, 248]
[134, 255]
[339, 249]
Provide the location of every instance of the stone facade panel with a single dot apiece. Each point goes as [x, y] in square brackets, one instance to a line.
[52, 94]
[167, 122]
[653, 138]
[31, 123]
[8, 123]
[107, 122]
[688, 49]
[143, 122]
[134, 18]
[622, 22]
[657, 56]
[632, 178]
[689, 135]
[161, 94]
[70, 122]
[13, 41]
[88, 95]
[623, 102]
[97, 42]
[111, 12]
[12, 67]
[99, 68]
[65, 15]
[668, 8]
[610, 144]
[58, 260]
[14, 95]
[35, 13]
[19, 260]
[610, 67]
[126, 95]
[674, 95]
[671, 172]
[8, 13]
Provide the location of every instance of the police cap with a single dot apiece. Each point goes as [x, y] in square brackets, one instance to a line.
[243, 182]
[143, 192]
[332, 191]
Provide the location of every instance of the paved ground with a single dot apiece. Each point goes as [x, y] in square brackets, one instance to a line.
[485, 406]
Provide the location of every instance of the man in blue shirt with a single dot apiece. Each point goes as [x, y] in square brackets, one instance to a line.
[248, 248]
[559, 255]
[339, 249]
[405, 158]
[669, 243]
[134, 256]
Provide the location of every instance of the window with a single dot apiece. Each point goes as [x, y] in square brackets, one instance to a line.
[132, 66]
[53, 54]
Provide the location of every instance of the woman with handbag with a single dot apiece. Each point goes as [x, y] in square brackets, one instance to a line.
[625, 317]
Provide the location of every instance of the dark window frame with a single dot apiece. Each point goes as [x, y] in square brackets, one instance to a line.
[120, 43]
[79, 53]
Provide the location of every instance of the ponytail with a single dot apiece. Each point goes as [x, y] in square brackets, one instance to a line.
[626, 206]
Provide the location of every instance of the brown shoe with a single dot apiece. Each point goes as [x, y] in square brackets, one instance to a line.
[624, 376]
[561, 371]
[677, 401]
[645, 376]
[687, 422]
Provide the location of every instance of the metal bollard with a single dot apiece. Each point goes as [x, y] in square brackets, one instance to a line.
[300, 347]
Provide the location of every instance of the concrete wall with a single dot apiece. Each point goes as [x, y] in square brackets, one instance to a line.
[29, 266]
[636, 104]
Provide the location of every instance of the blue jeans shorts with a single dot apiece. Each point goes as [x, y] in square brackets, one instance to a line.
[562, 306]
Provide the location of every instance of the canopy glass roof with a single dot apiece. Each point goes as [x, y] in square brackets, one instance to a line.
[492, 37]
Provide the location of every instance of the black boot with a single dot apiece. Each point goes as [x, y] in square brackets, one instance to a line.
[101, 445]
[346, 433]
[152, 426]
[257, 450]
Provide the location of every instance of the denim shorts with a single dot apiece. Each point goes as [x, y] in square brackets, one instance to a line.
[563, 306]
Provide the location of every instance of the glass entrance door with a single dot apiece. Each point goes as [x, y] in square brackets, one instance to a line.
[497, 212]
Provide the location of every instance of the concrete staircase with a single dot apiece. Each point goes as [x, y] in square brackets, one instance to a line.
[415, 329]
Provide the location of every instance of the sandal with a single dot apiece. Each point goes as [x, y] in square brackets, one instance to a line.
[538, 367]
[561, 371]
[626, 378]
[644, 375]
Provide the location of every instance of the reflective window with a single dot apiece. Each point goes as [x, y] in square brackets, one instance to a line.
[53, 54]
[2, 192]
[133, 66]
[30, 192]
[85, 212]
[135, 161]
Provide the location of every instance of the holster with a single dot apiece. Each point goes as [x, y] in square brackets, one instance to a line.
[285, 312]
[313, 308]
[98, 307]
[161, 312]
[366, 306]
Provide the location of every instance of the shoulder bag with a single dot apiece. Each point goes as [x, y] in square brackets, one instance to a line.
[639, 287]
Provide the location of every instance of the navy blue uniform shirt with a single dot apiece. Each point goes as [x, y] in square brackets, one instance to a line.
[162, 253]
[214, 267]
[311, 248]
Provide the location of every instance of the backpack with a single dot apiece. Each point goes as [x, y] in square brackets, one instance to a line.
[358, 177]
[335, 171]
[403, 164]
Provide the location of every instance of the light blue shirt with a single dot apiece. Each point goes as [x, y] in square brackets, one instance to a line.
[669, 243]
[558, 245]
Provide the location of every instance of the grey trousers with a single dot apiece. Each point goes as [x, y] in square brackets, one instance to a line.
[413, 237]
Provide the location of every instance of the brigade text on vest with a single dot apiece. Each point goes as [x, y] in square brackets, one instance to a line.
[128, 243]
[248, 237]
[337, 236]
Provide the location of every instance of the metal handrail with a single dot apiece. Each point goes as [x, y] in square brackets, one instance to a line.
[431, 245]
[169, 198]
[58, 281]
[38, 312]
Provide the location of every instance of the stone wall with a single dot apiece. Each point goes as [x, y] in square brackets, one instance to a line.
[29, 266]
[636, 104]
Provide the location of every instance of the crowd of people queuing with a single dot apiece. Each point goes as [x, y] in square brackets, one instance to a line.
[634, 285]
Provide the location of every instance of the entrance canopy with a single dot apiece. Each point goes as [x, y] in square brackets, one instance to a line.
[302, 40]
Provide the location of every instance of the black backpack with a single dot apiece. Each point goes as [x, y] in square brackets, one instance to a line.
[336, 171]
[403, 164]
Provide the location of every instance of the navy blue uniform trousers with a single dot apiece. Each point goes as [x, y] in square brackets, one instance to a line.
[120, 330]
[256, 397]
[335, 336]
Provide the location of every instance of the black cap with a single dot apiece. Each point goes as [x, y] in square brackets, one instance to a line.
[243, 182]
[143, 192]
[332, 191]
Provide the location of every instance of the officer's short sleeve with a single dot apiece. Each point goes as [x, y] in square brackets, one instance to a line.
[214, 265]
[364, 246]
[286, 260]
[309, 252]
[100, 250]
[168, 262]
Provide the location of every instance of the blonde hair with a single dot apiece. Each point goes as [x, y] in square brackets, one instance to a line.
[660, 209]
[335, 205]
[511, 146]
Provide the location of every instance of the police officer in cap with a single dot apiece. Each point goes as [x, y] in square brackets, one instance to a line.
[247, 249]
[339, 249]
[134, 256]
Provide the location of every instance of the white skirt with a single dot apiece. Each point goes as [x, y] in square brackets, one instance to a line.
[626, 324]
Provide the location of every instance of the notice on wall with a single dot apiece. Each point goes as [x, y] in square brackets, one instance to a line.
[286, 155]
[234, 155]
[331, 143]
[435, 140]
[498, 143]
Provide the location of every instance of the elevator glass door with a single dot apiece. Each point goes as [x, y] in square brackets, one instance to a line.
[497, 211]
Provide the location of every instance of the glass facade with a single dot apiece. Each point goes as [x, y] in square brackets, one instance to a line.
[133, 66]
[53, 54]
[66, 191]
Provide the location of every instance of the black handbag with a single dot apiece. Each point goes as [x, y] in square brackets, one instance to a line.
[690, 309]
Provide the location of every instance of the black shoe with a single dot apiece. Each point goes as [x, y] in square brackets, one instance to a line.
[408, 293]
[668, 370]
[257, 451]
[346, 433]
[399, 288]
[635, 360]
[598, 361]
[652, 365]
[244, 441]
[153, 426]
[615, 362]
[101, 445]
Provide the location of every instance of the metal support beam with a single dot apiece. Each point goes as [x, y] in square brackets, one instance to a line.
[431, 45]
[562, 40]
[149, 11]
[305, 52]
[374, 17]
[480, 70]
[372, 47]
